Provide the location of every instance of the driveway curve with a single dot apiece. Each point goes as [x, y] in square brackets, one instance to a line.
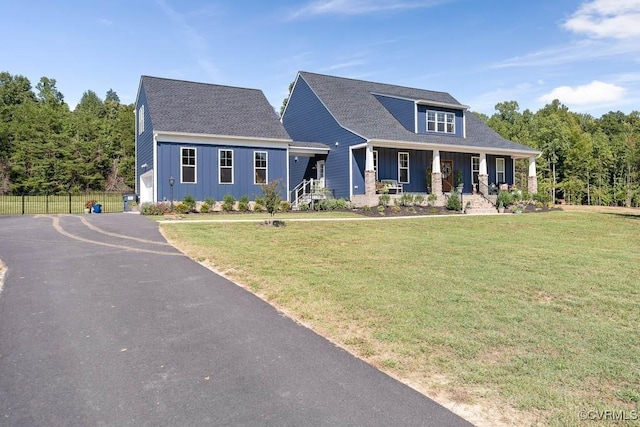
[103, 323]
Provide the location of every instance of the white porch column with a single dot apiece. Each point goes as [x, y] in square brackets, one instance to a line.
[483, 175]
[368, 165]
[435, 164]
[369, 172]
[532, 186]
[436, 175]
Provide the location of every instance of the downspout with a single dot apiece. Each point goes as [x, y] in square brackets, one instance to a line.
[155, 168]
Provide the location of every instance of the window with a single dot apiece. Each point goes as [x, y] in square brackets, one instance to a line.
[438, 121]
[475, 169]
[188, 163]
[375, 162]
[500, 171]
[141, 119]
[225, 171]
[403, 168]
[260, 167]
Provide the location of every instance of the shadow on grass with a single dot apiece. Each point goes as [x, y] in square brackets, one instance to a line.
[625, 215]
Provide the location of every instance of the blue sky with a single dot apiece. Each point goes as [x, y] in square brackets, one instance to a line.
[585, 53]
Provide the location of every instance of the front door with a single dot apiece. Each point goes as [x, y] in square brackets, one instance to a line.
[446, 166]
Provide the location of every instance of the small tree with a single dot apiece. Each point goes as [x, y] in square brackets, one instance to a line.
[272, 196]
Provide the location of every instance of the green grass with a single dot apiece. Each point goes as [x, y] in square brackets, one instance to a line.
[535, 315]
[58, 204]
[258, 216]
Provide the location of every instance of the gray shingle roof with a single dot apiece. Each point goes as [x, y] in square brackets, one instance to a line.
[201, 108]
[355, 107]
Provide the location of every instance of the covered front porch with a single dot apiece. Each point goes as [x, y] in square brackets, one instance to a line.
[428, 169]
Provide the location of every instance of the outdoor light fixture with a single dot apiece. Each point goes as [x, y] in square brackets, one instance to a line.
[295, 159]
[172, 181]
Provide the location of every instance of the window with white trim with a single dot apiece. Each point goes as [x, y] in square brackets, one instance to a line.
[260, 167]
[225, 166]
[140, 119]
[439, 121]
[475, 169]
[403, 168]
[375, 162]
[501, 175]
[188, 165]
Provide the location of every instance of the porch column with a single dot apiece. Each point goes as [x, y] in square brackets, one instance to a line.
[532, 186]
[369, 173]
[483, 176]
[436, 174]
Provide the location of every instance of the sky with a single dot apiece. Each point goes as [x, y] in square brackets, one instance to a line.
[586, 53]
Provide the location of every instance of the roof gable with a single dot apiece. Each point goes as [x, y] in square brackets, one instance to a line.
[201, 108]
[354, 105]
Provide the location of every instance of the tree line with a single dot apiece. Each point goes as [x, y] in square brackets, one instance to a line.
[46, 147]
[585, 160]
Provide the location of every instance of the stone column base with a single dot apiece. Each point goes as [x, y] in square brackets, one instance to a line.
[532, 186]
[370, 183]
[483, 184]
[436, 183]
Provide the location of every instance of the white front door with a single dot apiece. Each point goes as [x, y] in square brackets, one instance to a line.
[320, 173]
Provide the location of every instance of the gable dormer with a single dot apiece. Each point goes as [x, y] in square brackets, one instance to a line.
[426, 117]
[439, 118]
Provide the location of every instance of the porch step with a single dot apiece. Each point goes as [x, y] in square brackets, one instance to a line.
[479, 205]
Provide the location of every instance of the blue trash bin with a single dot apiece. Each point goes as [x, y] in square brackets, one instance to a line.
[97, 208]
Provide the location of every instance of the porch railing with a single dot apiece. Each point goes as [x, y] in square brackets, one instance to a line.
[485, 191]
[309, 191]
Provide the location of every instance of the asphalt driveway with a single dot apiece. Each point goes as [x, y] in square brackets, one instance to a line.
[103, 323]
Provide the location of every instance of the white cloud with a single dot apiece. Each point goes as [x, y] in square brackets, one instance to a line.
[359, 7]
[595, 92]
[618, 19]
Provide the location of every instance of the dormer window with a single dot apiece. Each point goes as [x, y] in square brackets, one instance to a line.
[438, 121]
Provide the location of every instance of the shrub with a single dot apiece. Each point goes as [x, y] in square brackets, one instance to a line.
[149, 208]
[366, 208]
[395, 208]
[258, 207]
[431, 199]
[407, 199]
[381, 209]
[272, 196]
[383, 199]
[181, 208]
[227, 203]
[243, 204]
[543, 198]
[453, 202]
[504, 198]
[205, 207]
[284, 206]
[418, 199]
[189, 202]
[210, 201]
[304, 206]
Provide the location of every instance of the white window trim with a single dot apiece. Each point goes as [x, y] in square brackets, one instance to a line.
[400, 153]
[375, 162]
[266, 167]
[472, 170]
[446, 114]
[195, 166]
[141, 120]
[220, 166]
[504, 169]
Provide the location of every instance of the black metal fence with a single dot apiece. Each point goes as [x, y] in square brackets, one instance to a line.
[60, 203]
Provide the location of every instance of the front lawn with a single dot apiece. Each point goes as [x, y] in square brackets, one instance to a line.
[514, 319]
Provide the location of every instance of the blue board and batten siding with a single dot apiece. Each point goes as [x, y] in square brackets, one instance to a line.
[144, 140]
[307, 119]
[207, 173]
